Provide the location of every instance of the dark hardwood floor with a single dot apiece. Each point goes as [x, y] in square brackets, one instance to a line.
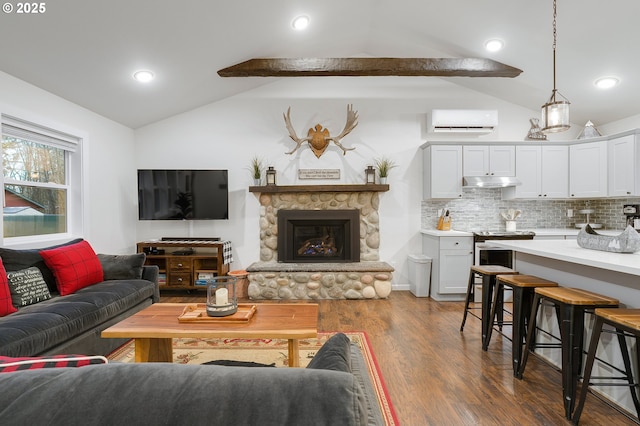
[436, 375]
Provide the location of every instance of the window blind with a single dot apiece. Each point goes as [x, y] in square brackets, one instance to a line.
[21, 129]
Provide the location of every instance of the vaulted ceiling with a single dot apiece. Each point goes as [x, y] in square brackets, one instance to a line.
[86, 51]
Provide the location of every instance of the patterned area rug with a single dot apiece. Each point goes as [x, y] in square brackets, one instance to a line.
[268, 351]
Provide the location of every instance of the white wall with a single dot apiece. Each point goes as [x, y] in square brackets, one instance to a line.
[623, 125]
[393, 122]
[110, 191]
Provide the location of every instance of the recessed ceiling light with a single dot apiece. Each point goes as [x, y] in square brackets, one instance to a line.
[607, 82]
[300, 22]
[143, 76]
[494, 45]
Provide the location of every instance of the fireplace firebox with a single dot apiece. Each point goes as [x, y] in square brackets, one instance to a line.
[318, 236]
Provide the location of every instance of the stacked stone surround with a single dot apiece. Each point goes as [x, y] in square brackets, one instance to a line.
[367, 279]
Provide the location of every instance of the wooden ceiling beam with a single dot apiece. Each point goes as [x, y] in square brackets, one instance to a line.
[369, 67]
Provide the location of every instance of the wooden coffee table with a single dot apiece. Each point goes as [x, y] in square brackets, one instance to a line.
[154, 327]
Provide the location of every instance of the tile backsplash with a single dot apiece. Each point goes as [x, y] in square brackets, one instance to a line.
[479, 210]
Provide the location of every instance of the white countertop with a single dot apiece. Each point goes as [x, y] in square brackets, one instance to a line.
[569, 251]
[569, 231]
[543, 232]
[452, 233]
[561, 232]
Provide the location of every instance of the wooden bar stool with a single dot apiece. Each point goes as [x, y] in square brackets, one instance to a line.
[627, 324]
[523, 287]
[488, 274]
[571, 305]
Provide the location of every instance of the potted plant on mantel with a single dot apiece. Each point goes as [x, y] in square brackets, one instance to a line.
[256, 170]
[384, 165]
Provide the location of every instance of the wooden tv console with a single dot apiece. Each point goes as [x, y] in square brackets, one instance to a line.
[180, 271]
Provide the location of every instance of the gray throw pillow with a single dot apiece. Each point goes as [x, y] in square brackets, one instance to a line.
[27, 287]
[122, 266]
[335, 354]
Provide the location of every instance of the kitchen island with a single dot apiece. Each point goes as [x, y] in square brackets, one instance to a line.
[611, 274]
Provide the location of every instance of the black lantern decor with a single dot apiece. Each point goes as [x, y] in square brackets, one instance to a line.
[271, 176]
[370, 175]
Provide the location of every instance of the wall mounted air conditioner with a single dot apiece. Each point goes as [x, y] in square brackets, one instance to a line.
[464, 120]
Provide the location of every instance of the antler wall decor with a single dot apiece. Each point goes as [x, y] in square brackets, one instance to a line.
[318, 137]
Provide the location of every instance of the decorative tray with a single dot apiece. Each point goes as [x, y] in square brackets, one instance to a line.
[626, 242]
[197, 312]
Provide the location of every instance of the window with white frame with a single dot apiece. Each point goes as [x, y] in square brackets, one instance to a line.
[37, 179]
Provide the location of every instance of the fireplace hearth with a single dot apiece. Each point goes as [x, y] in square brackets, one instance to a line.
[362, 277]
[318, 236]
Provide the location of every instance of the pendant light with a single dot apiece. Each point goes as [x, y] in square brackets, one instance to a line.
[555, 113]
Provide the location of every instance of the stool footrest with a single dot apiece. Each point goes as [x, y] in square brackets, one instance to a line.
[548, 345]
[592, 383]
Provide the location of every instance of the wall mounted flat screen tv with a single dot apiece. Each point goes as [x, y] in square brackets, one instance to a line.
[183, 194]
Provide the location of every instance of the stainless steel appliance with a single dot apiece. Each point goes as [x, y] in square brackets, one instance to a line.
[632, 212]
[487, 254]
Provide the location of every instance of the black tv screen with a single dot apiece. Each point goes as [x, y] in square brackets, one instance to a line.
[183, 194]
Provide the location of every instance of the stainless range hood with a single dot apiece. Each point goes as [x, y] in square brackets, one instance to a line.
[489, 181]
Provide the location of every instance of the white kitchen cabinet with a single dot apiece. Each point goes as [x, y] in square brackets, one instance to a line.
[452, 256]
[543, 171]
[588, 170]
[475, 160]
[623, 162]
[489, 160]
[528, 171]
[442, 171]
[555, 171]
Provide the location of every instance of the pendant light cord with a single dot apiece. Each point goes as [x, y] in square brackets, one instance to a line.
[555, 37]
[555, 112]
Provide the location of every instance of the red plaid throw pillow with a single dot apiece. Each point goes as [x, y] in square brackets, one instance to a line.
[9, 364]
[74, 266]
[6, 307]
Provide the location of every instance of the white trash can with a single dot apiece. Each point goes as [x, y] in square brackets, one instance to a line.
[419, 275]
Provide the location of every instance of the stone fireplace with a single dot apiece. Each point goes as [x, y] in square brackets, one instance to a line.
[320, 273]
[320, 236]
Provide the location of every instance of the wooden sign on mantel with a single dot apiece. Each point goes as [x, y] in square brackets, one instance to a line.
[318, 173]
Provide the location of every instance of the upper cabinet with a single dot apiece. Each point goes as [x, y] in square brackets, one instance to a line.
[595, 168]
[623, 163]
[543, 171]
[489, 160]
[442, 171]
[555, 171]
[588, 170]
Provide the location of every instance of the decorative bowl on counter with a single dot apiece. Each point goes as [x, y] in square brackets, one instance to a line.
[626, 242]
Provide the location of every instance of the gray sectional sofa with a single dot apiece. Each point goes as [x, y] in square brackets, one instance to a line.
[72, 324]
[334, 389]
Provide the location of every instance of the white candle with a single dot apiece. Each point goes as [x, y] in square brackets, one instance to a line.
[222, 296]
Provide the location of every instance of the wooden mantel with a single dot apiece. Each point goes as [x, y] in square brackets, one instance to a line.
[319, 188]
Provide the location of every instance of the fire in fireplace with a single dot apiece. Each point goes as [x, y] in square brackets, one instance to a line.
[318, 236]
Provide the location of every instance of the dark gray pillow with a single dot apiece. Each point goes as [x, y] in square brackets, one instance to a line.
[15, 260]
[335, 354]
[27, 287]
[122, 266]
